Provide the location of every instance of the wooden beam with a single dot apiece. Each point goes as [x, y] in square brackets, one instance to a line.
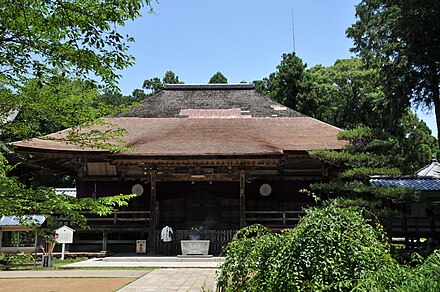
[198, 177]
[242, 199]
[198, 161]
[153, 210]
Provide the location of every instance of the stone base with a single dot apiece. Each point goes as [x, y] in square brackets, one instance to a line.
[194, 247]
[195, 256]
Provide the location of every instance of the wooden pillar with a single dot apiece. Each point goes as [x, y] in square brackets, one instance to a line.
[242, 199]
[153, 212]
[104, 241]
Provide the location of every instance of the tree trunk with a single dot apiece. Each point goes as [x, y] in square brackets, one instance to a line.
[436, 99]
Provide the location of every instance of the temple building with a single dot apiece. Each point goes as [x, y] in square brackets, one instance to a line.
[213, 157]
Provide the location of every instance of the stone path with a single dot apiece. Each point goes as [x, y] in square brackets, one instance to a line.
[174, 280]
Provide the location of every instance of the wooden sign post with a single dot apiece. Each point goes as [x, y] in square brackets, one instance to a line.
[64, 235]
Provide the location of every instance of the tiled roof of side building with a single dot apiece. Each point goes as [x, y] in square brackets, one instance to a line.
[169, 102]
[420, 184]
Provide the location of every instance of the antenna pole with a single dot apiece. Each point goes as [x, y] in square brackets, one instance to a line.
[293, 31]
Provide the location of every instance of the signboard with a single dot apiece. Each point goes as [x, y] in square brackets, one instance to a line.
[64, 234]
[141, 246]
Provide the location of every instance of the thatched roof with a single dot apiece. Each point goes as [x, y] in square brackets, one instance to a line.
[182, 137]
[169, 102]
[215, 119]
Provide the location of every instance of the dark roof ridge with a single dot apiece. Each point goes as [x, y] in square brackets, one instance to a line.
[232, 86]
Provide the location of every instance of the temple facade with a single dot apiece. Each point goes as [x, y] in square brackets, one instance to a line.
[208, 159]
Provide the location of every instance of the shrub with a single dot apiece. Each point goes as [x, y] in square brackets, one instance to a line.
[424, 277]
[245, 267]
[330, 249]
[16, 259]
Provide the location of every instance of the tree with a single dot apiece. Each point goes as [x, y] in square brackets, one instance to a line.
[78, 37]
[52, 105]
[171, 78]
[345, 95]
[154, 85]
[218, 78]
[17, 199]
[45, 40]
[284, 85]
[365, 155]
[400, 38]
[348, 95]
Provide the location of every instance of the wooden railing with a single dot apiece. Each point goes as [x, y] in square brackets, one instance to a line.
[413, 226]
[413, 233]
[274, 218]
[118, 217]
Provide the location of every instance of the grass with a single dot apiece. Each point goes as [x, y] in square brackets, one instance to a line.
[59, 264]
[29, 264]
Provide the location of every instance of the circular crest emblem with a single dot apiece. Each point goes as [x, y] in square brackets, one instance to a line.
[265, 190]
[137, 189]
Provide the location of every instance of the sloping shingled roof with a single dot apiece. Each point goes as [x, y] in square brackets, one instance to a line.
[176, 97]
[420, 184]
[176, 137]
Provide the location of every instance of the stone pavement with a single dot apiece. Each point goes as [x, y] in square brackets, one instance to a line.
[173, 274]
[174, 280]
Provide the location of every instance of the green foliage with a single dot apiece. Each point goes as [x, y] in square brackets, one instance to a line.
[43, 44]
[16, 259]
[352, 96]
[58, 104]
[345, 95]
[399, 38]
[97, 134]
[17, 200]
[415, 146]
[154, 85]
[218, 78]
[329, 250]
[366, 173]
[364, 157]
[246, 258]
[116, 99]
[284, 85]
[77, 37]
[424, 277]
[171, 78]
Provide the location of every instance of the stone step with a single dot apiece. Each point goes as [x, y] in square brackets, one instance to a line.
[164, 259]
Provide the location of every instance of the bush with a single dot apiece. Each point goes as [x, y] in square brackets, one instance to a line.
[16, 259]
[424, 277]
[245, 267]
[330, 249]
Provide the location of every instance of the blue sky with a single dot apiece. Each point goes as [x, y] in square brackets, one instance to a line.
[243, 39]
